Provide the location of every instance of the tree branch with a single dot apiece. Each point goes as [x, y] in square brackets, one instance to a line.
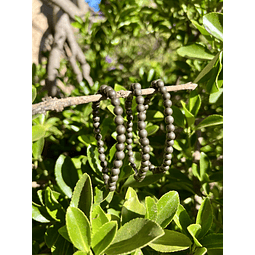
[54, 104]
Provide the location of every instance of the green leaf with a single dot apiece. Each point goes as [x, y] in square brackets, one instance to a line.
[132, 208]
[150, 75]
[167, 207]
[80, 253]
[78, 228]
[66, 174]
[82, 197]
[135, 234]
[205, 217]
[93, 159]
[38, 132]
[39, 213]
[33, 93]
[171, 241]
[154, 115]
[151, 209]
[63, 232]
[195, 51]
[200, 251]
[152, 129]
[202, 30]
[99, 218]
[102, 239]
[194, 230]
[182, 219]
[215, 96]
[37, 148]
[213, 23]
[87, 139]
[53, 207]
[149, 179]
[190, 117]
[118, 87]
[179, 118]
[211, 120]
[205, 74]
[214, 241]
[51, 235]
[204, 164]
[194, 102]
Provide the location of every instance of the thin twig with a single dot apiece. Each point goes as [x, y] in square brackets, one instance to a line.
[55, 104]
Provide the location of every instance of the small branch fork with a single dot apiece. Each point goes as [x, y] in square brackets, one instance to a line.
[54, 104]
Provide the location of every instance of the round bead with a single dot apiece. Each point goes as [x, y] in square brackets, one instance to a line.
[168, 156]
[169, 119]
[170, 143]
[145, 157]
[141, 125]
[146, 149]
[129, 141]
[169, 150]
[121, 129]
[137, 92]
[139, 100]
[142, 116]
[111, 93]
[131, 159]
[96, 119]
[98, 136]
[140, 108]
[129, 147]
[121, 138]
[115, 171]
[145, 163]
[103, 87]
[107, 89]
[137, 86]
[97, 130]
[145, 169]
[163, 89]
[164, 168]
[144, 141]
[129, 135]
[101, 157]
[106, 177]
[160, 84]
[129, 129]
[170, 136]
[143, 133]
[120, 146]
[101, 150]
[166, 96]
[96, 124]
[115, 101]
[112, 188]
[167, 162]
[103, 164]
[114, 178]
[119, 120]
[130, 153]
[117, 163]
[167, 103]
[168, 111]
[100, 143]
[170, 127]
[130, 117]
[118, 110]
[120, 155]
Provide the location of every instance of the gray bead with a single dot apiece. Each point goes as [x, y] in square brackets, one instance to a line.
[129, 147]
[102, 88]
[117, 163]
[101, 157]
[115, 171]
[120, 146]
[121, 129]
[101, 150]
[170, 127]
[169, 119]
[129, 141]
[106, 177]
[120, 155]
[129, 129]
[130, 153]
[100, 143]
[164, 168]
[144, 141]
[141, 125]
[167, 162]
[130, 117]
[111, 94]
[115, 101]
[118, 110]
[170, 143]
[145, 169]
[142, 116]
[96, 119]
[168, 111]
[97, 130]
[129, 135]
[167, 103]
[107, 89]
[137, 86]
[145, 163]
[112, 188]
[105, 170]
[146, 157]
[114, 178]
[140, 108]
[146, 149]
[169, 150]
[121, 138]
[166, 96]
[137, 92]
[143, 133]
[160, 84]
[131, 159]
[103, 164]
[139, 100]
[168, 156]
[98, 137]
[170, 136]
[119, 120]
[163, 89]
[152, 168]
[96, 124]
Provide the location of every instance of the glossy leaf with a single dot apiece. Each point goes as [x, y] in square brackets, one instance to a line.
[171, 241]
[152, 129]
[205, 217]
[39, 213]
[78, 228]
[132, 208]
[213, 23]
[194, 230]
[151, 209]
[82, 197]
[135, 234]
[189, 116]
[63, 232]
[179, 118]
[195, 51]
[213, 241]
[150, 75]
[202, 30]
[53, 207]
[104, 236]
[182, 219]
[154, 115]
[93, 159]
[38, 132]
[167, 207]
[194, 102]
[212, 120]
[66, 174]
[33, 93]
[80, 253]
[51, 234]
[37, 148]
[200, 251]
[204, 165]
[99, 218]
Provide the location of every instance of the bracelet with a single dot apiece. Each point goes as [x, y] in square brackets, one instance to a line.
[110, 180]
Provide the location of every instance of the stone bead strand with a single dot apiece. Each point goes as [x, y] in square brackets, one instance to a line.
[141, 117]
[110, 180]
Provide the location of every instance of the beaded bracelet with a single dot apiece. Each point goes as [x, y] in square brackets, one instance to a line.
[143, 105]
[110, 180]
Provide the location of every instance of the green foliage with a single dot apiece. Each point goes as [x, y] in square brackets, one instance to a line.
[180, 211]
